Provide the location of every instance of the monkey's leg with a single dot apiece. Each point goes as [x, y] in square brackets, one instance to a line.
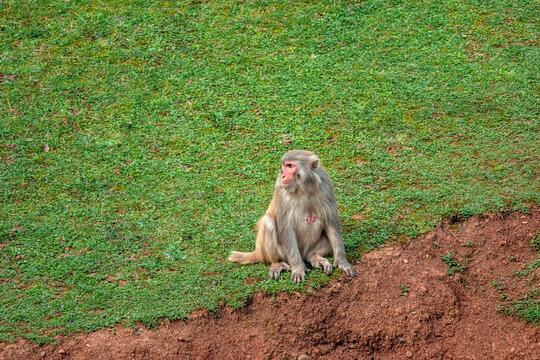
[315, 255]
[272, 251]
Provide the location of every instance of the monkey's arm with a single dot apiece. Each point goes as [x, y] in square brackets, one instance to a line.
[333, 231]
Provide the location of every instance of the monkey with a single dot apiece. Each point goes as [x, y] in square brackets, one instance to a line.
[301, 222]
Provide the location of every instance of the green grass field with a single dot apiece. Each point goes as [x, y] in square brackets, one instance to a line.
[140, 140]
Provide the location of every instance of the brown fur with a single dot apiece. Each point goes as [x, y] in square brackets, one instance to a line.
[301, 223]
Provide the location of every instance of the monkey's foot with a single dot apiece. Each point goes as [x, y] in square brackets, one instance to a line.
[346, 267]
[277, 268]
[318, 262]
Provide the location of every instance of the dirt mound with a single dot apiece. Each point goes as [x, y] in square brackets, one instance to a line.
[403, 304]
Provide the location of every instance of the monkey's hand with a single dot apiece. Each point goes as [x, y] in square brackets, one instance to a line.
[298, 274]
[345, 266]
[277, 268]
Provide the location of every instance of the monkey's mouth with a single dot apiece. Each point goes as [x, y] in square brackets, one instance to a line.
[289, 187]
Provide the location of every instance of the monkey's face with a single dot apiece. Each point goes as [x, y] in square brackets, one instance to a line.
[298, 171]
[288, 173]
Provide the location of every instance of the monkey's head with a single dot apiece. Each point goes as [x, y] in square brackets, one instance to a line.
[298, 170]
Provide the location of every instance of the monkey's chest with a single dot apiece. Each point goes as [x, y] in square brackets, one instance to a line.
[308, 228]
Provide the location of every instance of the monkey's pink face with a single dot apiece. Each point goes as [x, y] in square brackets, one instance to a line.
[288, 169]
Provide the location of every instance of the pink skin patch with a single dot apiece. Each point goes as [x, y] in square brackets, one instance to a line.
[309, 221]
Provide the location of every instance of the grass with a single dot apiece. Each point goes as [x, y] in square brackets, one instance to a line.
[140, 140]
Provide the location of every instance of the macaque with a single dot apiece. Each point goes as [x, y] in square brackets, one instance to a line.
[301, 223]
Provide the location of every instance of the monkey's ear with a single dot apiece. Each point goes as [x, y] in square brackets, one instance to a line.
[314, 164]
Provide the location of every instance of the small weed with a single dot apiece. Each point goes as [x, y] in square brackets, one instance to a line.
[529, 268]
[467, 244]
[520, 273]
[535, 243]
[404, 289]
[526, 306]
[452, 265]
[498, 285]
[535, 264]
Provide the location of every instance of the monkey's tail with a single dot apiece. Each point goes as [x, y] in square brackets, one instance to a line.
[245, 257]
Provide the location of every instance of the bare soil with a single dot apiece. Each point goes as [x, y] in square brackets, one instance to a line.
[372, 316]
